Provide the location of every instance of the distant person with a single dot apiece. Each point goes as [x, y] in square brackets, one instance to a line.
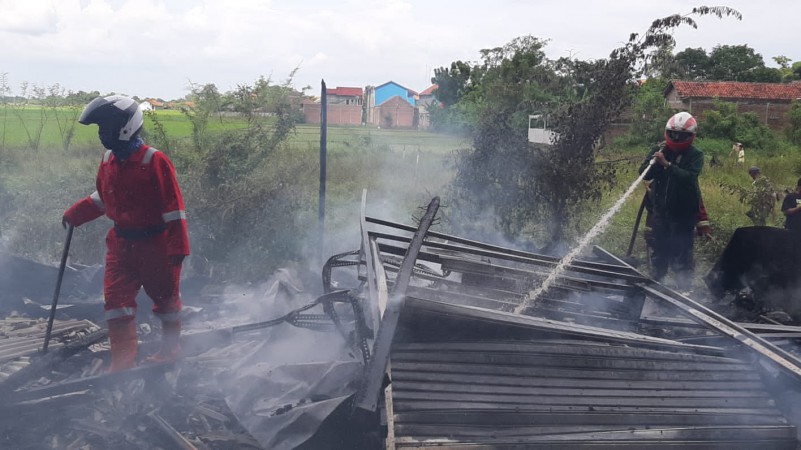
[791, 208]
[136, 189]
[676, 199]
[762, 198]
[738, 152]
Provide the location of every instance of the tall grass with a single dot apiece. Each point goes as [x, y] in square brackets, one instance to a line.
[400, 169]
[726, 213]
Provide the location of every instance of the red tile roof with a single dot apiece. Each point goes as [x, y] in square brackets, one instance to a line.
[345, 91]
[430, 90]
[736, 90]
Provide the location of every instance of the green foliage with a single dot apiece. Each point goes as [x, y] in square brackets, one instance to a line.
[452, 83]
[761, 198]
[543, 189]
[456, 119]
[723, 121]
[515, 78]
[786, 69]
[231, 197]
[691, 64]
[727, 63]
[205, 101]
[740, 63]
[794, 123]
[649, 113]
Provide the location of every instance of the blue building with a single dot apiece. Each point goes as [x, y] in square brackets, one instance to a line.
[391, 89]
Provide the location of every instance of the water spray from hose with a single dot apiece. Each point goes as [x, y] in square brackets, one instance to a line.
[594, 231]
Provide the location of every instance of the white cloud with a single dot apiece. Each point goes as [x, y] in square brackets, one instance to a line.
[152, 47]
[27, 17]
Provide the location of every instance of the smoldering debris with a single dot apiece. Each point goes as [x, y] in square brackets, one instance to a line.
[418, 343]
[758, 274]
[605, 356]
[264, 367]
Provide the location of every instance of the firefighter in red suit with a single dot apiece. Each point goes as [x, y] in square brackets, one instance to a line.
[138, 191]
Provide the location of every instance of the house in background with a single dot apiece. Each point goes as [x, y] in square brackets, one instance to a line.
[391, 89]
[769, 101]
[345, 107]
[145, 106]
[424, 101]
[345, 96]
[155, 104]
[391, 105]
[395, 113]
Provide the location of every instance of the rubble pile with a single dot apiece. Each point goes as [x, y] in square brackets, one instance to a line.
[420, 340]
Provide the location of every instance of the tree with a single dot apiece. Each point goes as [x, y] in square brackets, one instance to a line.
[786, 68]
[65, 111]
[734, 63]
[236, 207]
[794, 123]
[692, 64]
[723, 121]
[205, 101]
[451, 82]
[648, 113]
[32, 95]
[545, 188]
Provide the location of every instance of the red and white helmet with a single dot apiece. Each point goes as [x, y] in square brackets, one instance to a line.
[680, 131]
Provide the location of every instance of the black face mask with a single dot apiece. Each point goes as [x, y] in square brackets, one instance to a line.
[109, 135]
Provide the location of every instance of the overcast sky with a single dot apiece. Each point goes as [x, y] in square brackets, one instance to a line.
[153, 48]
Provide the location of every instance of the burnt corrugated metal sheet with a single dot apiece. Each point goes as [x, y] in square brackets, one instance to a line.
[477, 363]
[573, 393]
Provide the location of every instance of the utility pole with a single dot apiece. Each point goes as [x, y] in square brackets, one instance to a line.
[323, 151]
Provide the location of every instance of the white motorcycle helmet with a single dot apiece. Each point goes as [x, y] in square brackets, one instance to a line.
[118, 117]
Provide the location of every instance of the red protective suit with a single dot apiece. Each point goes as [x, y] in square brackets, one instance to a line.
[142, 197]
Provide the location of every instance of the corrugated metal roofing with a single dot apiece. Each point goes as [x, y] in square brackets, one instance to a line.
[575, 393]
[578, 368]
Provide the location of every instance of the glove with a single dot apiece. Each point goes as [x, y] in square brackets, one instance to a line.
[176, 260]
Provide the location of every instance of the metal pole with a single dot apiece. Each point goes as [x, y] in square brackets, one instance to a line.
[636, 225]
[58, 288]
[323, 151]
